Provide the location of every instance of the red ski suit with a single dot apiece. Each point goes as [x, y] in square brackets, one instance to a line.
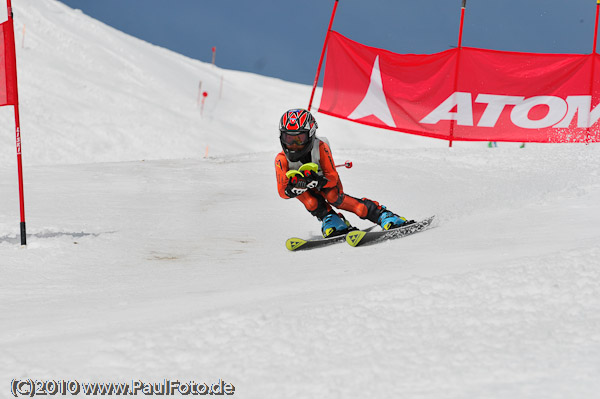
[332, 193]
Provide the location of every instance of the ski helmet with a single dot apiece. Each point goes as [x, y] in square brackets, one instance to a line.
[297, 129]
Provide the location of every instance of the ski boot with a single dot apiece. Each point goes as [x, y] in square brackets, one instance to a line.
[334, 224]
[389, 220]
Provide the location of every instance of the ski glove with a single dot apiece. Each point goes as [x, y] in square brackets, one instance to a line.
[314, 180]
[296, 186]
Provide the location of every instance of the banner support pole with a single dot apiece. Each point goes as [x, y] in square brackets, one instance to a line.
[312, 95]
[594, 49]
[596, 27]
[459, 46]
[462, 23]
[12, 59]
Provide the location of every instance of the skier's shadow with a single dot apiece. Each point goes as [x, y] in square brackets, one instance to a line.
[48, 234]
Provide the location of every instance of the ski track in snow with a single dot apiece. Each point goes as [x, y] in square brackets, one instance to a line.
[146, 261]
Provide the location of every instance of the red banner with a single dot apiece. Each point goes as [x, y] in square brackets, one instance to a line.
[465, 94]
[8, 67]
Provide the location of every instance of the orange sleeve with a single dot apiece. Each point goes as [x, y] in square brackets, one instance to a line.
[281, 168]
[328, 165]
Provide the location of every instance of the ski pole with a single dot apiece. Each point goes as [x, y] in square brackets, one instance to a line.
[347, 164]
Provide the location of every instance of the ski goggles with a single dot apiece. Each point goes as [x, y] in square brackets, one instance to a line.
[291, 138]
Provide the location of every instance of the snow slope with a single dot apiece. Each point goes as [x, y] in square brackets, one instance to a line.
[149, 261]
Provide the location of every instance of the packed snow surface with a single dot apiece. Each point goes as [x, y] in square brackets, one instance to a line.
[156, 240]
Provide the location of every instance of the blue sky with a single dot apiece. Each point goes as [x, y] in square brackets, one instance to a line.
[283, 38]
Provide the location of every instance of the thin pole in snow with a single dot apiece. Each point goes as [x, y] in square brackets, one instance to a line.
[11, 59]
[312, 95]
[20, 172]
[204, 95]
[459, 46]
[199, 93]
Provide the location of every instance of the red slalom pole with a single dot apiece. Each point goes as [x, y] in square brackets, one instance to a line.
[20, 172]
[459, 46]
[204, 95]
[11, 77]
[312, 95]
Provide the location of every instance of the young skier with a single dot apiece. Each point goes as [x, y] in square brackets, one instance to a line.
[321, 190]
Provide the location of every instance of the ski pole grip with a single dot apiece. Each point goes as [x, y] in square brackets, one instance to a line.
[347, 164]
